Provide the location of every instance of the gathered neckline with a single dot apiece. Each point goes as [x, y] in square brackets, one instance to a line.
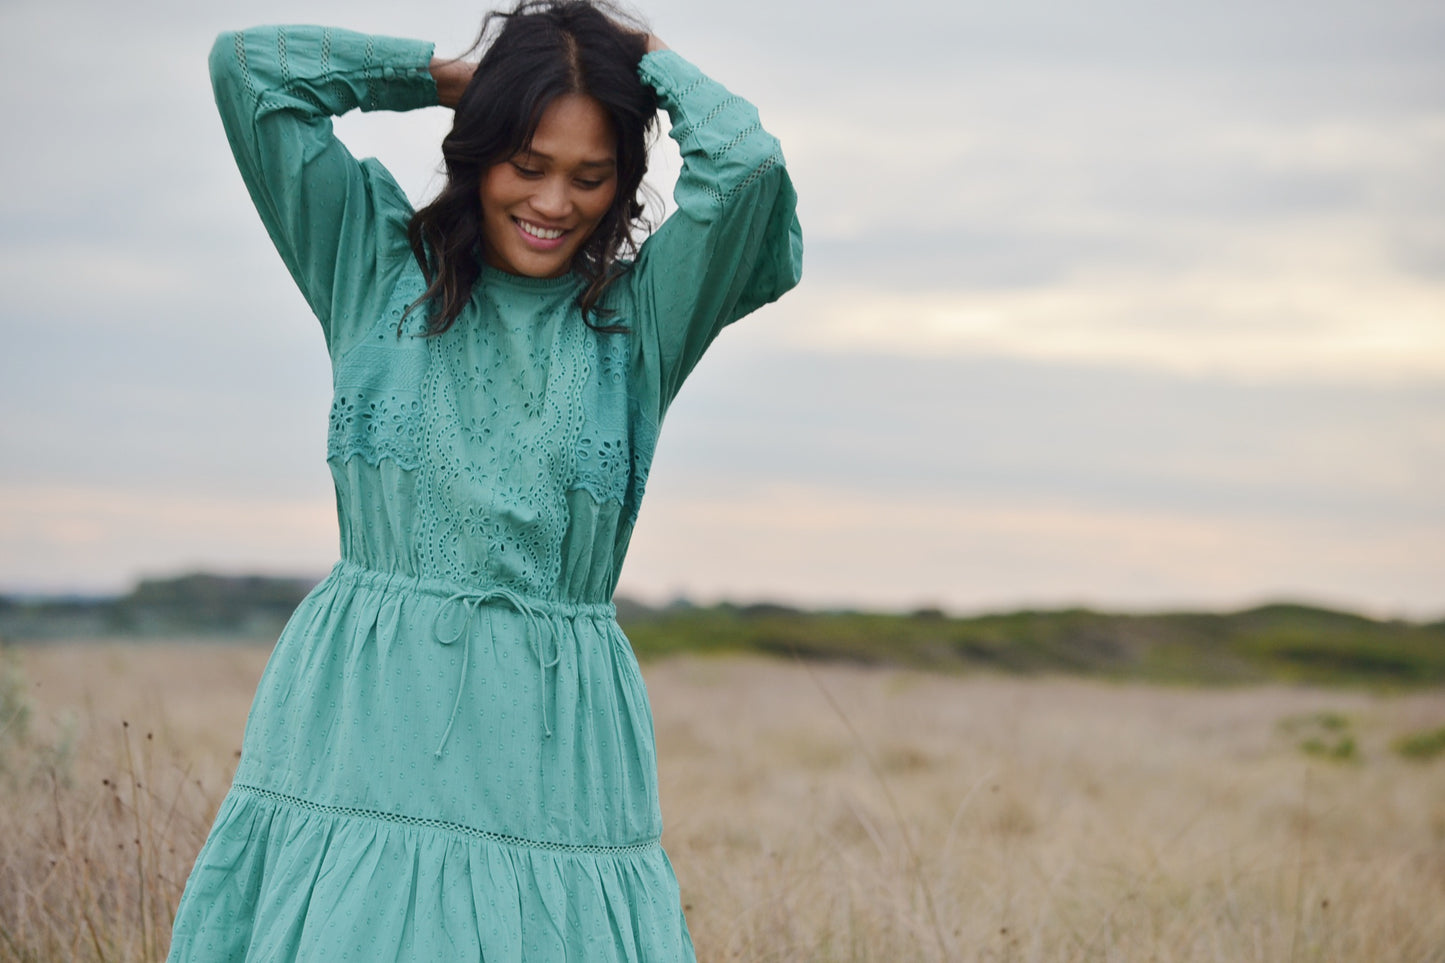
[496, 276]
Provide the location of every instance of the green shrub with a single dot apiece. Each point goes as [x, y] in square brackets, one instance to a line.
[1324, 734]
[1342, 749]
[1421, 746]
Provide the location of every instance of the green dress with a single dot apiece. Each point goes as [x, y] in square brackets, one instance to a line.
[450, 755]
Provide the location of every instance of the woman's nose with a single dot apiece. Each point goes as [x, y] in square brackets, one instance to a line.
[552, 198]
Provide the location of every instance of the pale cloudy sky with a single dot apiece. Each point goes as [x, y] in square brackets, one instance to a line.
[1125, 303]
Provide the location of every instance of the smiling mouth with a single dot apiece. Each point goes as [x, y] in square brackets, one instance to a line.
[538, 231]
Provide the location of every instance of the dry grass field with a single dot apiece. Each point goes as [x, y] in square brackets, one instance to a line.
[825, 812]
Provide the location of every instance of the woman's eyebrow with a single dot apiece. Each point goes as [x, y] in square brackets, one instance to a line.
[605, 162]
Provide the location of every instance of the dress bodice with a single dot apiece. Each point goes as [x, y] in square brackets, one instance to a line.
[508, 451]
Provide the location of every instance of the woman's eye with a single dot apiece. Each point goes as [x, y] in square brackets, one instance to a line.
[525, 171]
[589, 185]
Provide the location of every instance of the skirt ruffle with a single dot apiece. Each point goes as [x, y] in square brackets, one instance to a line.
[284, 879]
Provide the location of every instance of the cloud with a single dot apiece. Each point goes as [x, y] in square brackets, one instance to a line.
[895, 428]
[1242, 321]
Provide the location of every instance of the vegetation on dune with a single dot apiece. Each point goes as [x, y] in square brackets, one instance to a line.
[1271, 643]
[191, 605]
[1279, 642]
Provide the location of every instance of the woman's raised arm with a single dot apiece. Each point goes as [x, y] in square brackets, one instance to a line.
[277, 89]
[734, 243]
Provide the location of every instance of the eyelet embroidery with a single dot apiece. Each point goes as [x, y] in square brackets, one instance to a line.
[494, 476]
[376, 410]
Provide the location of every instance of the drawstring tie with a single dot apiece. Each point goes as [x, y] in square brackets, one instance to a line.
[471, 601]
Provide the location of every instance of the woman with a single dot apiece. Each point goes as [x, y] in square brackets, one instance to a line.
[450, 755]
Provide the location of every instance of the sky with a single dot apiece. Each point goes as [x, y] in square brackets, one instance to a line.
[1128, 304]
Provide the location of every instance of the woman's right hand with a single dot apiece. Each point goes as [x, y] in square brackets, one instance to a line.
[452, 77]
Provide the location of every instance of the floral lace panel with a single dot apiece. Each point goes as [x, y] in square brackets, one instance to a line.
[644, 445]
[503, 417]
[376, 407]
[603, 455]
[616, 445]
[500, 421]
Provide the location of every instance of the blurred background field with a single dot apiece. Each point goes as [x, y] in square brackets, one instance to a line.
[827, 810]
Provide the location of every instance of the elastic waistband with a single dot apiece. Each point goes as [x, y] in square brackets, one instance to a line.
[357, 574]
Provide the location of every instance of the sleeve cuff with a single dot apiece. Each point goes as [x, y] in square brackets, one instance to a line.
[404, 69]
[667, 72]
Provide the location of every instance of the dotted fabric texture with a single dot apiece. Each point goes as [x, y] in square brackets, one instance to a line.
[450, 755]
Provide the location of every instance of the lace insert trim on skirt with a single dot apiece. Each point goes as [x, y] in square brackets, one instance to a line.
[295, 802]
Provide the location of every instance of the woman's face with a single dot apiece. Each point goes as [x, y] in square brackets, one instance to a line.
[541, 206]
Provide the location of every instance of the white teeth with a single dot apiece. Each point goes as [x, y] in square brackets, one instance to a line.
[542, 233]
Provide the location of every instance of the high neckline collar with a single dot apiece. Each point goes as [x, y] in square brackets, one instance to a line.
[520, 282]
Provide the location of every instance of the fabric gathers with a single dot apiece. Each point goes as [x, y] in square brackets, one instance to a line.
[470, 601]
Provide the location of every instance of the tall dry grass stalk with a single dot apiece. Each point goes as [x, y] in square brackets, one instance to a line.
[101, 816]
[93, 872]
[829, 813]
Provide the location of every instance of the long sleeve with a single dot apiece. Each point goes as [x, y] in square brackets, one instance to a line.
[335, 221]
[734, 243]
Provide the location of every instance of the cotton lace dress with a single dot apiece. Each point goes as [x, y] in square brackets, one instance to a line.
[450, 755]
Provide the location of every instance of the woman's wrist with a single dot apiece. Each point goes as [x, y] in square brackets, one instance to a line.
[452, 77]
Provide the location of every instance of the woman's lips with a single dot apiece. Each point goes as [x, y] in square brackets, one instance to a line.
[538, 236]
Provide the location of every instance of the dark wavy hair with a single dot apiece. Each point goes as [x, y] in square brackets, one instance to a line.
[542, 50]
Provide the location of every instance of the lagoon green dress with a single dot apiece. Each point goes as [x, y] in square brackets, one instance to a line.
[450, 755]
